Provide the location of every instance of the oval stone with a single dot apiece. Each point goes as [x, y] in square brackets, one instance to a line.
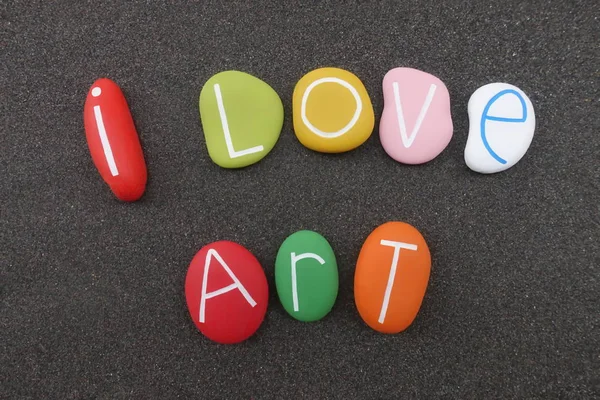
[241, 116]
[416, 123]
[391, 277]
[306, 276]
[332, 111]
[226, 292]
[501, 127]
[113, 140]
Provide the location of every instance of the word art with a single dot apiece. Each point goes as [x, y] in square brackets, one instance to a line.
[227, 292]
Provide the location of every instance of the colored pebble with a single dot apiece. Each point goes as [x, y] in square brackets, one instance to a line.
[332, 111]
[391, 277]
[241, 116]
[226, 292]
[113, 140]
[306, 276]
[501, 127]
[416, 123]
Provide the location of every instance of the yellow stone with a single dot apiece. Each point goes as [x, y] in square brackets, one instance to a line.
[332, 111]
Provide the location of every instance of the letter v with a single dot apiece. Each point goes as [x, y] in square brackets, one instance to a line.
[235, 285]
[408, 141]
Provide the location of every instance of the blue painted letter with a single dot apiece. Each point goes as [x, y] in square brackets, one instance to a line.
[485, 117]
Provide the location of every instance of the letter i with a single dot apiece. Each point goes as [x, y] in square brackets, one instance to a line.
[96, 92]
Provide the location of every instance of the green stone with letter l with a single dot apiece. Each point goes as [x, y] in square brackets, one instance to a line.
[241, 116]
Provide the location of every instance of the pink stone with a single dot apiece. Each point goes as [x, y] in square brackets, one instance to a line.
[416, 123]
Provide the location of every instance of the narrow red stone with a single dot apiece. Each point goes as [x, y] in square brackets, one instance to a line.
[113, 140]
[226, 292]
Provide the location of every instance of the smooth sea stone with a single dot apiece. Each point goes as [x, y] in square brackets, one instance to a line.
[242, 117]
[306, 276]
[332, 111]
[416, 123]
[391, 277]
[501, 127]
[226, 292]
[113, 140]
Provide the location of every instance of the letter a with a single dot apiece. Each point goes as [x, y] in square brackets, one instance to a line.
[235, 285]
[295, 259]
[408, 140]
[232, 152]
[390, 284]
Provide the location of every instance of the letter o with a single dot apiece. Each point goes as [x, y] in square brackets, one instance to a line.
[348, 126]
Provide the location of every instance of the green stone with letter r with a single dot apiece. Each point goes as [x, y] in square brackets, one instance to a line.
[306, 276]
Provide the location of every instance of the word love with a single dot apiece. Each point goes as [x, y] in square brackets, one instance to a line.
[227, 292]
[242, 118]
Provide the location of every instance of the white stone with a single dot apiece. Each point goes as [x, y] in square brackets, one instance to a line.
[501, 127]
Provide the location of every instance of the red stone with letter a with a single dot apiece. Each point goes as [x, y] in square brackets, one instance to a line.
[226, 291]
[113, 140]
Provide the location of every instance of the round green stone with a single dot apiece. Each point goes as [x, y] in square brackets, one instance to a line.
[306, 276]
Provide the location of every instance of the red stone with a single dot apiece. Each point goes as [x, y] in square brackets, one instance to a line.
[113, 140]
[233, 311]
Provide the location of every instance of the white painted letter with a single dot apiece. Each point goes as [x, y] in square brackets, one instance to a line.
[235, 285]
[388, 290]
[315, 130]
[295, 259]
[408, 141]
[110, 159]
[225, 125]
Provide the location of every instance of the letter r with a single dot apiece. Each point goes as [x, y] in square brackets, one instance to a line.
[295, 259]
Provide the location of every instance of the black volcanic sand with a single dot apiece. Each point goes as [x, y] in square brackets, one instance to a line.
[93, 305]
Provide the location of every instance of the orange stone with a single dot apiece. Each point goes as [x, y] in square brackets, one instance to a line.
[391, 277]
